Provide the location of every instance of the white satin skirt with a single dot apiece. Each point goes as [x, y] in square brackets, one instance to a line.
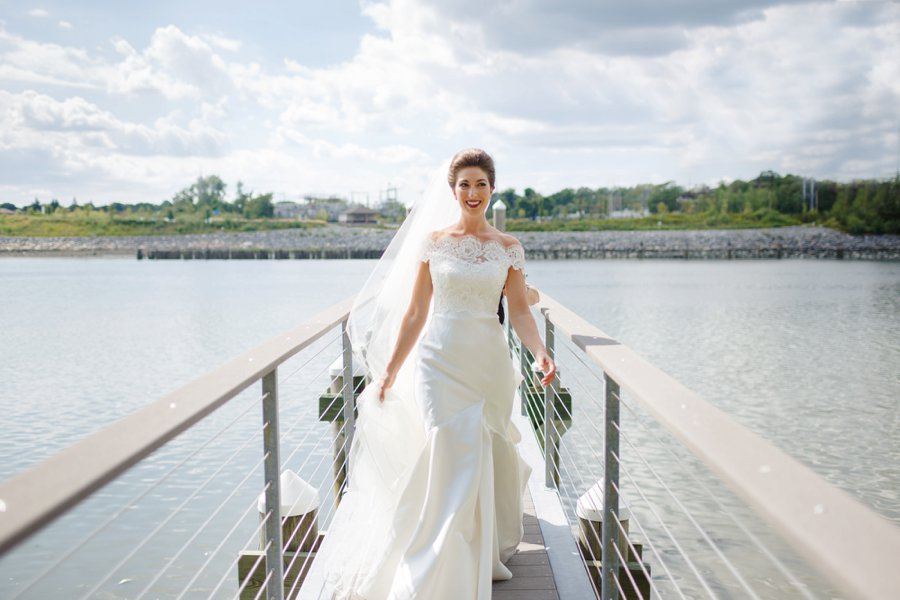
[435, 497]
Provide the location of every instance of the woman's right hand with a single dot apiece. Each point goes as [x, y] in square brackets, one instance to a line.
[385, 382]
[546, 366]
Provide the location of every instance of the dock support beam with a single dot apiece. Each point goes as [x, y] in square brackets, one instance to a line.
[272, 465]
[610, 490]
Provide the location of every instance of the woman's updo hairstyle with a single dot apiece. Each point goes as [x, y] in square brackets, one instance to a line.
[471, 157]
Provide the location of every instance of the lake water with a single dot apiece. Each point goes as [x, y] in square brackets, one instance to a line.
[804, 353]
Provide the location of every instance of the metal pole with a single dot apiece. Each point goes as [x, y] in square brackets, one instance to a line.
[524, 370]
[550, 476]
[272, 463]
[610, 490]
[349, 414]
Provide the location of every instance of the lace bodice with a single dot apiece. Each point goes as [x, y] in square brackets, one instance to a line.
[467, 274]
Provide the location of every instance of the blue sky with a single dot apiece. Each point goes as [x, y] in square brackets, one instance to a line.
[105, 101]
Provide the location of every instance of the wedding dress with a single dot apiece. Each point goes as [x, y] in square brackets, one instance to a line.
[437, 516]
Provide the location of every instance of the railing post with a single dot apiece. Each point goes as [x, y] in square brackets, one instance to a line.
[272, 465]
[551, 451]
[517, 347]
[349, 402]
[610, 535]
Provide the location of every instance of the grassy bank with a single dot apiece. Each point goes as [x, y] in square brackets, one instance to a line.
[756, 220]
[101, 224]
[104, 225]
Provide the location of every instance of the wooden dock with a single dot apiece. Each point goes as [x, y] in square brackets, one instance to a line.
[533, 578]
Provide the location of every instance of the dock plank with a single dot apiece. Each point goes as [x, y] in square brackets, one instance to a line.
[533, 577]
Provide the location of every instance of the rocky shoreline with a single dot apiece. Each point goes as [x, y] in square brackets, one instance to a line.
[352, 242]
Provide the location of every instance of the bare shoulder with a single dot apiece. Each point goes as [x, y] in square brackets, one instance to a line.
[438, 234]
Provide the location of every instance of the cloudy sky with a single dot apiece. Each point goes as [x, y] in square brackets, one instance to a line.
[113, 101]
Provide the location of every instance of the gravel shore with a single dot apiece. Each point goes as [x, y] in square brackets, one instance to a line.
[360, 242]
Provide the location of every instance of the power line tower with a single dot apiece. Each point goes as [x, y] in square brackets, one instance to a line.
[354, 195]
[387, 195]
[809, 194]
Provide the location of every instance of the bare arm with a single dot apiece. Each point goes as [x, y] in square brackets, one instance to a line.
[410, 327]
[523, 322]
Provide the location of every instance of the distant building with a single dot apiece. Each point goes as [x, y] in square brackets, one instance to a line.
[6, 211]
[627, 213]
[287, 210]
[325, 209]
[359, 215]
[392, 210]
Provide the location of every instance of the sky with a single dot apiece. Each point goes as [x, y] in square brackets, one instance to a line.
[130, 102]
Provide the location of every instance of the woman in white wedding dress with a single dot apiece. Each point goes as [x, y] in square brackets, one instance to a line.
[433, 507]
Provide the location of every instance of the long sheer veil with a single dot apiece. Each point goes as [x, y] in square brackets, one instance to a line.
[388, 435]
[382, 301]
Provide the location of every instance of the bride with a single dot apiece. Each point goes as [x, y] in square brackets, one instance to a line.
[433, 506]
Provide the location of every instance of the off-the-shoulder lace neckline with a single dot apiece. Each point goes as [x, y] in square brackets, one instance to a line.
[481, 241]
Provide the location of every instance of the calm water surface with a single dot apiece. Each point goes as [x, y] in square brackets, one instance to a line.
[804, 353]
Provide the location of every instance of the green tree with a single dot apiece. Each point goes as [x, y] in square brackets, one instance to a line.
[586, 201]
[666, 194]
[259, 207]
[533, 203]
[789, 194]
[206, 192]
[826, 195]
[210, 191]
[558, 204]
[511, 200]
[241, 197]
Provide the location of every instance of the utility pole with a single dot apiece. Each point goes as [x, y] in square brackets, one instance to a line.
[353, 196]
[809, 193]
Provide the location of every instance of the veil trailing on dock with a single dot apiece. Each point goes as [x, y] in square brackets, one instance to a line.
[390, 434]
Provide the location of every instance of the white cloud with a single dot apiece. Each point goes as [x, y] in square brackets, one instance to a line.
[27, 61]
[58, 119]
[39, 13]
[222, 42]
[64, 25]
[565, 94]
[175, 65]
[746, 87]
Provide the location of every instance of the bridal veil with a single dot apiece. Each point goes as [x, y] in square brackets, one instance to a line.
[390, 434]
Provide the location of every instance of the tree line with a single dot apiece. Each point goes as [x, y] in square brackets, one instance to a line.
[204, 198]
[862, 206]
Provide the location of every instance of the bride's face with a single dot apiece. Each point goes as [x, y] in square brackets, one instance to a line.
[472, 190]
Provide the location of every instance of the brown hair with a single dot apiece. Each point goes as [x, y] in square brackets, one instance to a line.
[471, 157]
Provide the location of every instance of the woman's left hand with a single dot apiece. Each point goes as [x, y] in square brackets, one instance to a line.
[546, 366]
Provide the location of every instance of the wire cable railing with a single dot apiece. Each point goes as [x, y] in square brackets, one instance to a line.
[158, 449]
[686, 541]
[587, 415]
[796, 585]
[659, 500]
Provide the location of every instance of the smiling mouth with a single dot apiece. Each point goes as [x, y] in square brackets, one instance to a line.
[473, 203]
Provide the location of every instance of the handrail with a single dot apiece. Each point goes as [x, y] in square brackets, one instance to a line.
[852, 546]
[32, 499]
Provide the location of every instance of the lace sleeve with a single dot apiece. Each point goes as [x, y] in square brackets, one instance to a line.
[427, 250]
[516, 255]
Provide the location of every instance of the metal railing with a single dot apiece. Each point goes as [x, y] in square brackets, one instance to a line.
[595, 459]
[32, 500]
[708, 460]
